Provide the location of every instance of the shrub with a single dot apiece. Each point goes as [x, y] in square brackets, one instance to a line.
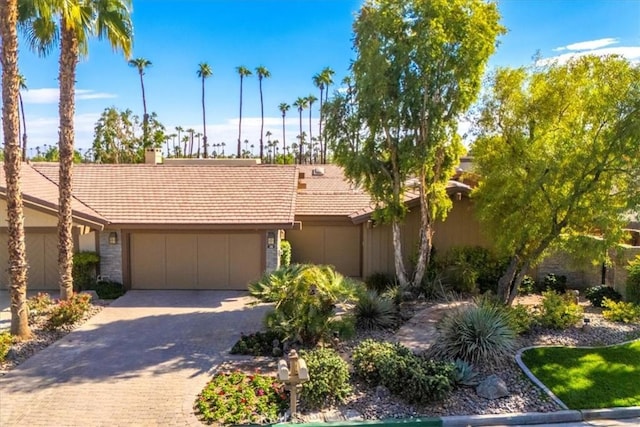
[257, 344]
[552, 282]
[380, 282]
[6, 340]
[343, 327]
[236, 398]
[528, 286]
[559, 311]
[620, 311]
[477, 334]
[472, 268]
[107, 289]
[285, 253]
[520, 318]
[464, 373]
[40, 304]
[633, 281]
[373, 311]
[328, 378]
[394, 366]
[596, 294]
[68, 312]
[84, 269]
[305, 297]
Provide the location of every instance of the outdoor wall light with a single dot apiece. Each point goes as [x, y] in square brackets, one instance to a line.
[271, 239]
[113, 238]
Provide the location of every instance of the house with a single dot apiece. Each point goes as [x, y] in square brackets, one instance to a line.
[206, 224]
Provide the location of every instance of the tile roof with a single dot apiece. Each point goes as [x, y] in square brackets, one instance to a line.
[329, 194]
[185, 194]
[40, 191]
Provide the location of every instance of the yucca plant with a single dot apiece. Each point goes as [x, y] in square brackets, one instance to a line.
[375, 311]
[475, 334]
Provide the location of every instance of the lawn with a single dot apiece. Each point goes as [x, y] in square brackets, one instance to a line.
[589, 378]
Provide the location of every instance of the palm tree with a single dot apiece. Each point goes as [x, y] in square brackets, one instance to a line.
[12, 163]
[179, 129]
[301, 104]
[243, 72]
[318, 81]
[262, 73]
[310, 100]
[140, 64]
[79, 19]
[327, 79]
[283, 107]
[204, 72]
[191, 131]
[23, 86]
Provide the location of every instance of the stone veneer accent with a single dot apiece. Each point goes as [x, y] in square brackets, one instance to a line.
[272, 254]
[110, 256]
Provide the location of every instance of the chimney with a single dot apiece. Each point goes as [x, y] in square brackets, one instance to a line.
[153, 156]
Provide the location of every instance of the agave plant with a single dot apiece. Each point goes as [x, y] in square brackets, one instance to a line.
[465, 374]
[374, 311]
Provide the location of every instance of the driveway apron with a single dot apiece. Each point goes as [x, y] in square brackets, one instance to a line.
[139, 362]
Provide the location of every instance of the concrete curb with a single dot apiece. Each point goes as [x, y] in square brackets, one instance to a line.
[611, 413]
[512, 419]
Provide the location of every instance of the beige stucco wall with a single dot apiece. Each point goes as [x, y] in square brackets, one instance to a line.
[32, 217]
[87, 242]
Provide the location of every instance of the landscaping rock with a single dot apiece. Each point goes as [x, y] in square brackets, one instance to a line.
[382, 392]
[493, 387]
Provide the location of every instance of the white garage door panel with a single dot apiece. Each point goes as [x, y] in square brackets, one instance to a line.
[195, 261]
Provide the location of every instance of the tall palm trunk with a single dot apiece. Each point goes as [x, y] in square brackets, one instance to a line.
[24, 129]
[240, 121]
[15, 214]
[284, 140]
[145, 117]
[322, 160]
[261, 120]
[204, 124]
[326, 98]
[310, 137]
[301, 143]
[68, 61]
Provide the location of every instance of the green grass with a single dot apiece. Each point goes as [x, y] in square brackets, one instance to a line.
[589, 378]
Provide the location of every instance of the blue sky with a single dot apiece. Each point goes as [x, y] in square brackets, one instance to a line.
[294, 39]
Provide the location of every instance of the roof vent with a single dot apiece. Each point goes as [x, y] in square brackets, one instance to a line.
[317, 172]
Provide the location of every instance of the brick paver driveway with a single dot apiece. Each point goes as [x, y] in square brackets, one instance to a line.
[139, 362]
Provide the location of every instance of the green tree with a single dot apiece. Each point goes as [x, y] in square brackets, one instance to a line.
[140, 64]
[242, 72]
[322, 81]
[262, 73]
[204, 72]
[310, 100]
[300, 103]
[17, 267]
[418, 67]
[558, 154]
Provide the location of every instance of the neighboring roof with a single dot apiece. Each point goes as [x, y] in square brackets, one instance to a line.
[327, 192]
[41, 193]
[189, 195]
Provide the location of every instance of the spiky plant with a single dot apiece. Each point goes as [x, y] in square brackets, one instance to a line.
[476, 334]
[374, 311]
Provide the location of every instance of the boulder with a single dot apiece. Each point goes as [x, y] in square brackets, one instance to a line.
[493, 387]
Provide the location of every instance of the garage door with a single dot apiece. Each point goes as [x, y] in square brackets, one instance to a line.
[42, 259]
[333, 245]
[195, 261]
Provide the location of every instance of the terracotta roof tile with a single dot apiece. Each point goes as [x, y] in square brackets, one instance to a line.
[185, 194]
[41, 191]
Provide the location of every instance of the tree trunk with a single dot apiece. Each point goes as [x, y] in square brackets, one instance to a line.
[12, 163]
[204, 124]
[24, 129]
[240, 122]
[145, 116]
[426, 235]
[310, 138]
[300, 143]
[320, 141]
[261, 121]
[284, 140]
[68, 61]
[398, 261]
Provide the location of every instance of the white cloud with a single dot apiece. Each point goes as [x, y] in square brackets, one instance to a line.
[51, 95]
[43, 131]
[632, 53]
[591, 44]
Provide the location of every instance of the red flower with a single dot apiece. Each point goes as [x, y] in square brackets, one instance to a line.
[260, 392]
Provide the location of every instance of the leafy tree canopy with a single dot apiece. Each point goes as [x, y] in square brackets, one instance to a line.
[559, 154]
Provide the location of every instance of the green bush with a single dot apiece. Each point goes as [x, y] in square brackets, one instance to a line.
[343, 327]
[464, 373]
[328, 378]
[68, 312]
[84, 270]
[528, 286]
[480, 333]
[257, 344]
[305, 297]
[380, 282]
[520, 318]
[552, 282]
[411, 377]
[285, 253]
[559, 311]
[373, 311]
[6, 340]
[238, 398]
[471, 269]
[596, 294]
[633, 281]
[620, 311]
[40, 304]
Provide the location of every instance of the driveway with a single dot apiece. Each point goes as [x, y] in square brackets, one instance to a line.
[140, 362]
